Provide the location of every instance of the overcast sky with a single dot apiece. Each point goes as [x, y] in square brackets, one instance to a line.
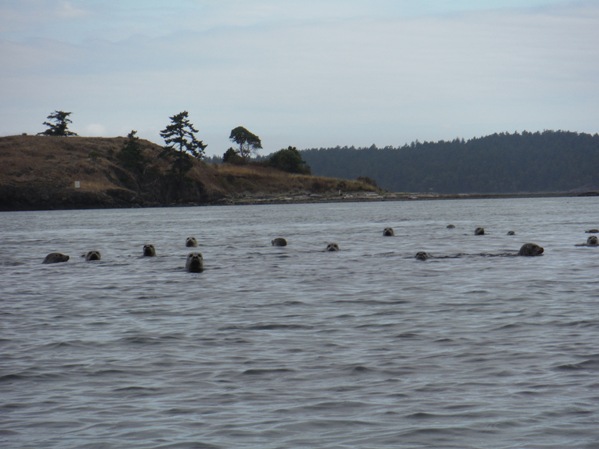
[306, 73]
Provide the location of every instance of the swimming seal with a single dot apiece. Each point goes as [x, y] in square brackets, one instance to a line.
[149, 251]
[388, 232]
[332, 247]
[592, 231]
[511, 233]
[450, 226]
[279, 241]
[479, 231]
[194, 263]
[421, 255]
[191, 242]
[591, 241]
[55, 258]
[530, 249]
[92, 255]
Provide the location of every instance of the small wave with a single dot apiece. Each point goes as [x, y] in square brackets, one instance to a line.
[408, 335]
[276, 326]
[360, 369]
[189, 445]
[264, 371]
[584, 365]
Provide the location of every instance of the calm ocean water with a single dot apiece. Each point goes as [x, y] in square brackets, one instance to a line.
[295, 347]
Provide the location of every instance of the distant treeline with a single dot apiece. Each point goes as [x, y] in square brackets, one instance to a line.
[551, 161]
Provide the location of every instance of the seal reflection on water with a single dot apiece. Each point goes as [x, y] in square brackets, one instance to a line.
[195, 263]
[55, 258]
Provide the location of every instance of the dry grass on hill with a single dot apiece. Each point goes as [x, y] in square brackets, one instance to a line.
[49, 167]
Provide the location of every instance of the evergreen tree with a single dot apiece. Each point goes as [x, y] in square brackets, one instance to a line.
[181, 143]
[58, 125]
[131, 155]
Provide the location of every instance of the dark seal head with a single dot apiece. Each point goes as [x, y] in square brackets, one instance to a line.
[194, 263]
[530, 249]
[55, 258]
[388, 232]
[450, 226]
[332, 247]
[149, 251]
[421, 255]
[591, 241]
[92, 255]
[279, 241]
[511, 233]
[479, 231]
[191, 242]
[592, 231]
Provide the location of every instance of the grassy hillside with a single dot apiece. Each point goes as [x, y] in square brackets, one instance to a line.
[40, 172]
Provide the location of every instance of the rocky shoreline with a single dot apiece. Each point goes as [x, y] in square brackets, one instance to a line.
[300, 198]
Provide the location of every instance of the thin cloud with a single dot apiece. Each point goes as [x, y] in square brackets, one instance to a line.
[304, 74]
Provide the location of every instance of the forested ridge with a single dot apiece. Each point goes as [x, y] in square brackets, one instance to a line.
[549, 161]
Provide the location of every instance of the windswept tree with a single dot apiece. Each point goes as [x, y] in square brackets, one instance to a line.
[248, 143]
[58, 125]
[181, 143]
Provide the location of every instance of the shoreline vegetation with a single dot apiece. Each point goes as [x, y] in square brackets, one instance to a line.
[46, 173]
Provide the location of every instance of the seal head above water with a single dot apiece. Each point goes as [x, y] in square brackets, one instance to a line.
[55, 258]
[149, 250]
[332, 247]
[191, 242]
[92, 255]
[194, 263]
[591, 241]
[479, 231]
[388, 232]
[422, 255]
[530, 249]
[279, 241]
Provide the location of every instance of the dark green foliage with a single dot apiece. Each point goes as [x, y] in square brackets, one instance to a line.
[551, 161]
[131, 156]
[248, 143]
[181, 144]
[232, 157]
[58, 125]
[289, 160]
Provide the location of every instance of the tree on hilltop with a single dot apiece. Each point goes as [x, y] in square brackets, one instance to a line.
[58, 125]
[289, 160]
[131, 155]
[181, 143]
[248, 142]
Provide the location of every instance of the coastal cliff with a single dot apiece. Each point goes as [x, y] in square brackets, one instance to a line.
[41, 172]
